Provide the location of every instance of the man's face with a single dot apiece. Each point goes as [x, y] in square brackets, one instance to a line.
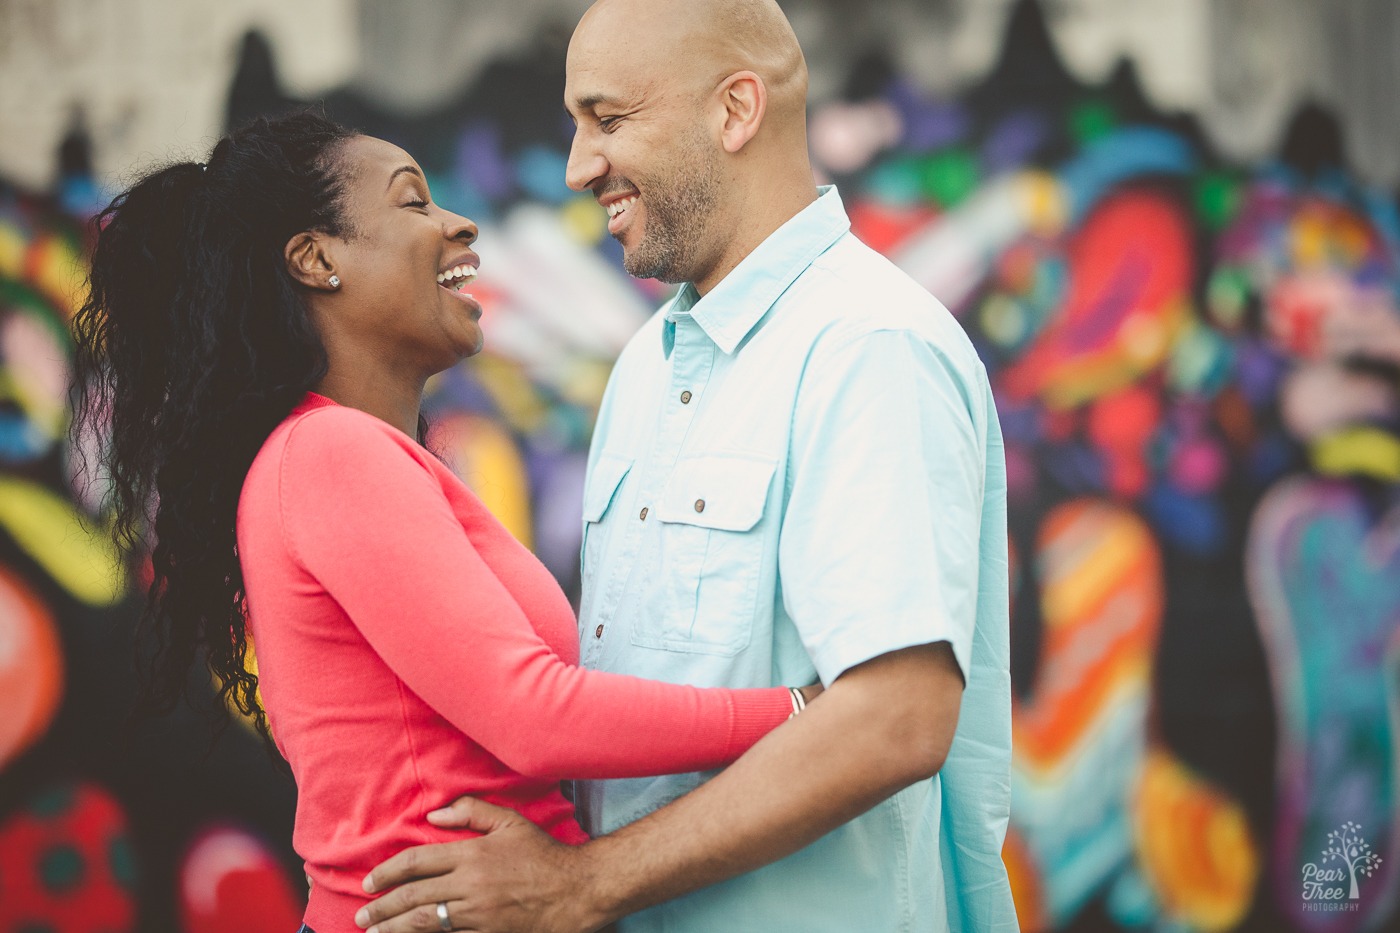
[641, 147]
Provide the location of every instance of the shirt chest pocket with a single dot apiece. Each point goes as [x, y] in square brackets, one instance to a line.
[608, 474]
[711, 551]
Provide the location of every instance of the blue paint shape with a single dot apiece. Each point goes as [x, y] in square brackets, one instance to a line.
[1014, 141]
[1196, 524]
[540, 172]
[1122, 155]
[1077, 467]
[480, 160]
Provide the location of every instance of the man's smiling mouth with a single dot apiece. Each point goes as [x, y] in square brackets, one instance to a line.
[620, 205]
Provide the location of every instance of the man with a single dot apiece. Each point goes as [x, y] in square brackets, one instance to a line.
[797, 472]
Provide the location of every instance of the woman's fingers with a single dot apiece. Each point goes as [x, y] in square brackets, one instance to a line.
[476, 815]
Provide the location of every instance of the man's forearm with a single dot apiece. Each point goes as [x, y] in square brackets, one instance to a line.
[881, 727]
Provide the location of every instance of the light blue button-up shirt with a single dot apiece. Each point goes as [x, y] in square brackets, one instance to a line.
[794, 474]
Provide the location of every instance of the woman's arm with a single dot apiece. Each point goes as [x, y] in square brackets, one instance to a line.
[370, 522]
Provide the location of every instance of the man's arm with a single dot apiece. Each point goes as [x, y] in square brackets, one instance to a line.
[883, 725]
[878, 551]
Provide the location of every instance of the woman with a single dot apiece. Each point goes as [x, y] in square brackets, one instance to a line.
[259, 330]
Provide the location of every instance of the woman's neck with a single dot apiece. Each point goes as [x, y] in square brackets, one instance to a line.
[394, 401]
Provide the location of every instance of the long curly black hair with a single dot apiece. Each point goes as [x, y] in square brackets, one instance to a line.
[193, 343]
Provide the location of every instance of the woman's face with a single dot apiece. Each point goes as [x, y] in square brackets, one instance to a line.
[405, 268]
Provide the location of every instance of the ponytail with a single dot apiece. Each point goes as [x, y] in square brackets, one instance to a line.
[192, 344]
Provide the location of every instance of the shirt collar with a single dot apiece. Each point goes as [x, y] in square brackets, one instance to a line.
[735, 306]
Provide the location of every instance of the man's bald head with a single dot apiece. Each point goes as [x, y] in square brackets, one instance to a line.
[700, 42]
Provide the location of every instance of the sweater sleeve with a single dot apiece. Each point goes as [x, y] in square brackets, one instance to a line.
[370, 522]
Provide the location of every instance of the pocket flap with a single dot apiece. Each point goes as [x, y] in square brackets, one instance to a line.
[608, 474]
[727, 493]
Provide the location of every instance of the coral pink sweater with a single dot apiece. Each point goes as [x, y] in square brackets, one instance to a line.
[411, 651]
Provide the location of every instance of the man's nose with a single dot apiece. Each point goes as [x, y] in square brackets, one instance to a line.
[586, 164]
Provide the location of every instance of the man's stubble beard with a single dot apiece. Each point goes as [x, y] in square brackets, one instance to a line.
[678, 209]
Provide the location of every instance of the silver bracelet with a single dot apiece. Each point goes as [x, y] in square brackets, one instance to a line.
[799, 702]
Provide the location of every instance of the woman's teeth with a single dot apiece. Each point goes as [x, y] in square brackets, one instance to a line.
[617, 207]
[457, 277]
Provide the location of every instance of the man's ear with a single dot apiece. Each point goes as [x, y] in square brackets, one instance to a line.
[308, 261]
[745, 100]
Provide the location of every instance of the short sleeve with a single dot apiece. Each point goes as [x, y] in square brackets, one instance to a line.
[880, 540]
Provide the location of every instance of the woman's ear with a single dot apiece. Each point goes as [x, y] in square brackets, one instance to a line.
[745, 100]
[308, 262]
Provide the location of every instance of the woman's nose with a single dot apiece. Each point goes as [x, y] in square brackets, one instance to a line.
[461, 228]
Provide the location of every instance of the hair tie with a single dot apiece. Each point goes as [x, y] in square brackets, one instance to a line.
[202, 167]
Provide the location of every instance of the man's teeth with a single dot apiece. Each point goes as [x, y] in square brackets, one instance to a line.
[617, 207]
[456, 277]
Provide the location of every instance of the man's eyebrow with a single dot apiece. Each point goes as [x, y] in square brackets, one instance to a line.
[589, 101]
[404, 170]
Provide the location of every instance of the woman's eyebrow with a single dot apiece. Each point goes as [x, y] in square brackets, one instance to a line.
[404, 169]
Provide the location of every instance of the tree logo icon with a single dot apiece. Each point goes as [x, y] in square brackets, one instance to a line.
[1345, 845]
[1347, 859]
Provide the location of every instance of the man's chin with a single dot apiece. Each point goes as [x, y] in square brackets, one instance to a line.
[640, 268]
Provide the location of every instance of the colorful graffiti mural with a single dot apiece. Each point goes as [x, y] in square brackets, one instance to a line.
[1197, 368]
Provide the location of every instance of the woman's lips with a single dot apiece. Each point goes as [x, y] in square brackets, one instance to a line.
[472, 304]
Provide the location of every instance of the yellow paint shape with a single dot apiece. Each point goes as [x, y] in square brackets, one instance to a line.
[584, 220]
[250, 664]
[1359, 451]
[1194, 846]
[12, 248]
[486, 458]
[1026, 888]
[1309, 242]
[584, 382]
[61, 274]
[1143, 342]
[1044, 203]
[1118, 542]
[512, 392]
[80, 558]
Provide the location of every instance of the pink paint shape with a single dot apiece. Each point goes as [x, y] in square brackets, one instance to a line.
[230, 883]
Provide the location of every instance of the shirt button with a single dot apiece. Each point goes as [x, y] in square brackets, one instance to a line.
[644, 514]
[699, 505]
[686, 397]
[598, 632]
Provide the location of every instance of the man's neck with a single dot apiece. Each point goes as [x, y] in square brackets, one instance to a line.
[763, 220]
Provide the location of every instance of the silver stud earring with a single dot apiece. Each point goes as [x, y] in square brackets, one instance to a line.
[334, 281]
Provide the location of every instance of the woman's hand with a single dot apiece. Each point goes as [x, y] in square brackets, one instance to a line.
[811, 691]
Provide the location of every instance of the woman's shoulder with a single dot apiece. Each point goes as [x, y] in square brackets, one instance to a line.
[335, 437]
